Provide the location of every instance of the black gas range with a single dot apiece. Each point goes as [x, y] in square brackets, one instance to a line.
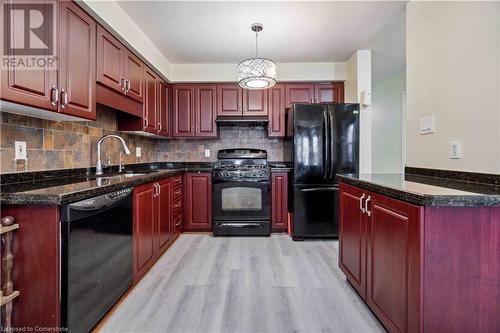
[241, 193]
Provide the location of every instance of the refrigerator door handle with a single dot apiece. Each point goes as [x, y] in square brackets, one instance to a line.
[326, 145]
[330, 139]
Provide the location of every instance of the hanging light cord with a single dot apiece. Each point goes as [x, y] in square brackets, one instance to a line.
[256, 44]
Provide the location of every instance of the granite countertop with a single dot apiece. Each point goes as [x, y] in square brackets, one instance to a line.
[63, 190]
[427, 191]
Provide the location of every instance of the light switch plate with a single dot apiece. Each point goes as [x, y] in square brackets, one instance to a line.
[20, 147]
[138, 152]
[455, 150]
[427, 125]
[207, 152]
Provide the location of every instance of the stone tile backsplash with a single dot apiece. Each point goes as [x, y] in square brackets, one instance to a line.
[59, 145]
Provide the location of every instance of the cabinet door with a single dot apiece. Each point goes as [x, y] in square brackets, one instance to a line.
[279, 204]
[134, 73]
[183, 110]
[150, 101]
[229, 100]
[110, 61]
[276, 105]
[29, 87]
[198, 201]
[255, 102]
[205, 111]
[393, 261]
[329, 93]
[163, 110]
[352, 243]
[144, 228]
[164, 215]
[299, 93]
[77, 40]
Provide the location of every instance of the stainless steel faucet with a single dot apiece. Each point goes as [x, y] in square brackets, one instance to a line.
[98, 166]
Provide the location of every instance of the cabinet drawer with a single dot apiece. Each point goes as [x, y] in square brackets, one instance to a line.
[177, 181]
[177, 206]
[177, 193]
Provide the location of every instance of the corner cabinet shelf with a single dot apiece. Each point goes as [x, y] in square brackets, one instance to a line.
[7, 228]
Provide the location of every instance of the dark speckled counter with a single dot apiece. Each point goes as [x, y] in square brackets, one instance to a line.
[427, 191]
[69, 185]
[71, 189]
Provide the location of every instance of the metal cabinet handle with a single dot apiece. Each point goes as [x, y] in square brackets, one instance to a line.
[177, 205]
[312, 99]
[127, 85]
[178, 180]
[361, 203]
[159, 127]
[54, 95]
[64, 97]
[366, 206]
[177, 193]
[179, 223]
[146, 122]
[122, 83]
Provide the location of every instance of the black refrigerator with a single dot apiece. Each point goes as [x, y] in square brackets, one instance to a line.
[325, 143]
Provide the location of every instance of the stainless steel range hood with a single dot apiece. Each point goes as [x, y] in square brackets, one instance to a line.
[242, 120]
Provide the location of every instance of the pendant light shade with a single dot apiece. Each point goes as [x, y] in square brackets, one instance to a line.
[257, 73]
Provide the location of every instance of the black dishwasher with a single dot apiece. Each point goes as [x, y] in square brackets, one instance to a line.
[96, 257]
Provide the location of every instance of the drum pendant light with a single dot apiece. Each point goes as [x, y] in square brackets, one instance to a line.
[257, 73]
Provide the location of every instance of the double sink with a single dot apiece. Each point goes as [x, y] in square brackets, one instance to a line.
[128, 174]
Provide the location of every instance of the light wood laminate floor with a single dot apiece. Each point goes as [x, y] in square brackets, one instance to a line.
[272, 284]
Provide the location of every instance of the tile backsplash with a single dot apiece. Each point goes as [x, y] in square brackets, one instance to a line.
[59, 145]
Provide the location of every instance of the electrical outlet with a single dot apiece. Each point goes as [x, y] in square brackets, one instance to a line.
[427, 125]
[455, 150]
[207, 152]
[138, 152]
[20, 147]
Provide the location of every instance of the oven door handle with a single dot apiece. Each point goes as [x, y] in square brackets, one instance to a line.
[222, 180]
[320, 189]
[241, 225]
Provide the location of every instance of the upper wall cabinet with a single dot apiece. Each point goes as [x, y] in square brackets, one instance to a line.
[314, 93]
[150, 105]
[232, 100]
[69, 87]
[117, 67]
[276, 105]
[194, 112]
[163, 114]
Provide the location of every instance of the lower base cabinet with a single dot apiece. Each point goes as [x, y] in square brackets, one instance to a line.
[279, 201]
[154, 222]
[198, 208]
[421, 268]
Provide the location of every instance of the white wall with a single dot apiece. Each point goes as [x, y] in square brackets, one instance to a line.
[387, 124]
[453, 73]
[117, 19]
[359, 79]
[329, 71]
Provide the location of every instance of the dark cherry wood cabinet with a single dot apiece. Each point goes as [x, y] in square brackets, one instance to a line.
[163, 111]
[299, 93]
[145, 222]
[379, 253]
[276, 109]
[155, 215]
[392, 261]
[134, 76]
[183, 110]
[279, 201]
[352, 231]
[165, 226]
[198, 210]
[194, 110]
[69, 86]
[77, 61]
[229, 99]
[205, 110]
[407, 262]
[110, 61]
[314, 93]
[255, 102]
[150, 105]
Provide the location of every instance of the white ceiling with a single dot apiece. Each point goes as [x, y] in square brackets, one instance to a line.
[294, 31]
